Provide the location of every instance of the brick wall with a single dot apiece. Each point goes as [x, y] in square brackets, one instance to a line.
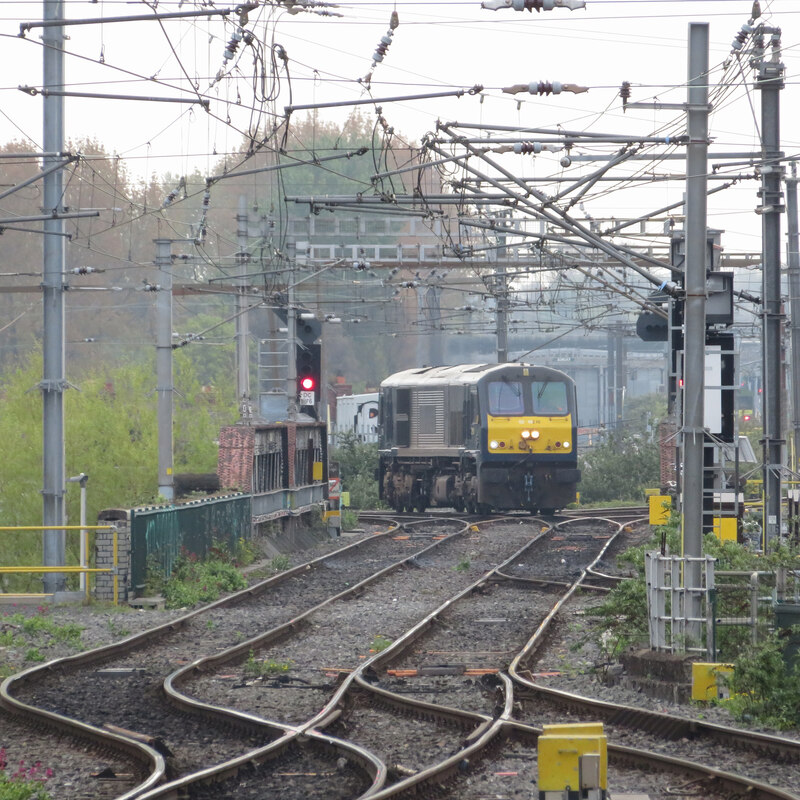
[291, 430]
[235, 462]
[104, 556]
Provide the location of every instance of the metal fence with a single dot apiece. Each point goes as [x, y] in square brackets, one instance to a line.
[160, 535]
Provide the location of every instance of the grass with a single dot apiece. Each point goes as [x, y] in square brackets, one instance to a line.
[259, 669]
[379, 643]
[194, 581]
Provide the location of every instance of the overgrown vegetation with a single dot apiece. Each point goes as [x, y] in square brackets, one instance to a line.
[258, 668]
[110, 433]
[626, 462]
[17, 630]
[24, 783]
[280, 563]
[357, 464]
[763, 687]
[194, 581]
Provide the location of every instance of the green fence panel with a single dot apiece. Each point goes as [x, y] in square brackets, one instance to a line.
[160, 535]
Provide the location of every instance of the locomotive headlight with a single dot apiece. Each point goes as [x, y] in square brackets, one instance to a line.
[566, 445]
[526, 434]
[494, 444]
[535, 434]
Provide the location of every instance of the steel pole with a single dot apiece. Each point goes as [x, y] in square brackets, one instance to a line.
[621, 377]
[164, 385]
[793, 262]
[242, 327]
[53, 269]
[693, 434]
[770, 81]
[291, 334]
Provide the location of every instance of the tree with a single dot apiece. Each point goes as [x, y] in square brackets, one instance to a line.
[628, 460]
[110, 434]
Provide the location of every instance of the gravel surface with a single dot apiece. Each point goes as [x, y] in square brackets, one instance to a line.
[300, 775]
[340, 636]
[512, 774]
[482, 632]
[406, 743]
[72, 764]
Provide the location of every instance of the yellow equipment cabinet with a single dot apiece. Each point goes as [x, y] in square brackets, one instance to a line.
[725, 528]
[708, 681]
[660, 506]
[573, 762]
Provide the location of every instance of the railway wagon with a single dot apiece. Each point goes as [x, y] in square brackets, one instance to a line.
[477, 437]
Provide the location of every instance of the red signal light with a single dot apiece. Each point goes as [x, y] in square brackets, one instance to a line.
[746, 418]
[307, 384]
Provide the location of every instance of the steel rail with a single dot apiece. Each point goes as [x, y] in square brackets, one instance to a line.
[484, 734]
[720, 780]
[669, 725]
[150, 759]
[74, 662]
[332, 708]
[234, 716]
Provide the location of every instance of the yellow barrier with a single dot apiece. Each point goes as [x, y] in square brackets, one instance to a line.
[65, 569]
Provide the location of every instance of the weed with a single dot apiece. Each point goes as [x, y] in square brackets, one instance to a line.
[33, 654]
[462, 566]
[245, 552]
[280, 563]
[117, 630]
[25, 783]
[349, 519]
[210, 625]
[379, 643]
[8, 639]
[258, 669]
[194, 581]
[155, 580]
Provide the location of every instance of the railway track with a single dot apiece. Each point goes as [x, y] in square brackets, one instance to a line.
[443, 706]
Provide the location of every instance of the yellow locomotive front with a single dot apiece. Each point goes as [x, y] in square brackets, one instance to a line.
[528, 457]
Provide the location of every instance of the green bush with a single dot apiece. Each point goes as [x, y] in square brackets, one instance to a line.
[620, 468]
[357, 464]
[193, 581]
[763, 688]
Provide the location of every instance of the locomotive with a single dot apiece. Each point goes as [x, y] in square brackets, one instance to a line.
[478, 437]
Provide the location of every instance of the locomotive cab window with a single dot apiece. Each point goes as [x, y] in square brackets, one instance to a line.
[550, 398]
[506, 399]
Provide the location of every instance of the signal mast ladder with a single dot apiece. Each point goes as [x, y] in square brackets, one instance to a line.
[82, 569]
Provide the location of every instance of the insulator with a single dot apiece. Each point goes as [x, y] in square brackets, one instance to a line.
[526, 148]
[383, 46]
[565, 161]
[741, 37]
[625, 92]
[233, 45]
[544, 87]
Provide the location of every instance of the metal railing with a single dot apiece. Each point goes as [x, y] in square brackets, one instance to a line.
[667, 602]
[81, 569]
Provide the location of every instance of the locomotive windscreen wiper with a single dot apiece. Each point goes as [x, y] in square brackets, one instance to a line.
[541, 391]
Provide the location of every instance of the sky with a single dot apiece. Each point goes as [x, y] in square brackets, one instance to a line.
[306, 58]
